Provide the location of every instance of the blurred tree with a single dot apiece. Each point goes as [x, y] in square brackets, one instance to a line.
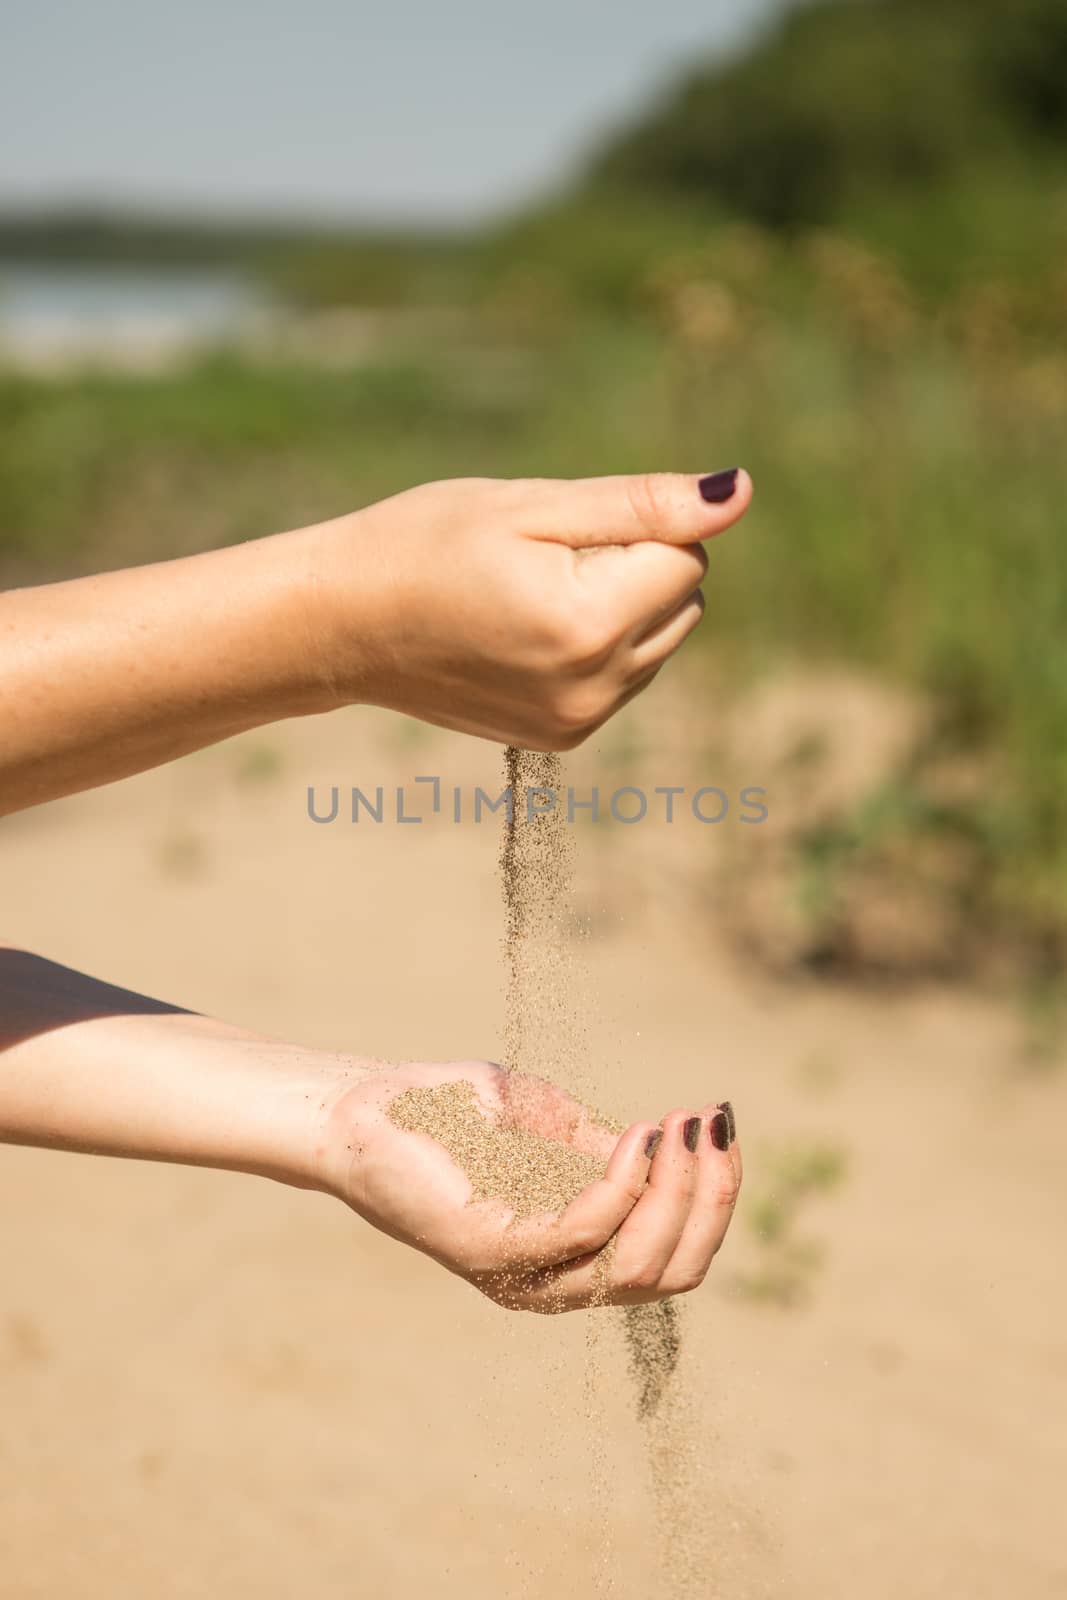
[1023, 49]
[847, 97]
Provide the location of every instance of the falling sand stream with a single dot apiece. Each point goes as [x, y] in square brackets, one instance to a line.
[544, 1034]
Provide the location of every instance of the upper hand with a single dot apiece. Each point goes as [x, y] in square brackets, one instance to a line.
[525, 611]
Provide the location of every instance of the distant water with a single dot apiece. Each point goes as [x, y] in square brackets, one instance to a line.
[56, 310]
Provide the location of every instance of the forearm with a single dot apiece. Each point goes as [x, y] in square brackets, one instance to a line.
[466, 603]
[84, 1066]
[105, 676]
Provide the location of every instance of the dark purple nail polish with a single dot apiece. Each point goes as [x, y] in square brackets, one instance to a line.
[731, 1121]
[719, 1129]
[691, 1133]
[719, 486]
[652, 1143]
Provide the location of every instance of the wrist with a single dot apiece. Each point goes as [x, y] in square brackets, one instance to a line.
[344, 583]
[292, 660]
[288, 1127]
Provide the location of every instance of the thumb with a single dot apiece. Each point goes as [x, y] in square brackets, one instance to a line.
[667, 507]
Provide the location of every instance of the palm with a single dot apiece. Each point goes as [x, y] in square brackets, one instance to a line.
[407, 1183]
[661, 1193]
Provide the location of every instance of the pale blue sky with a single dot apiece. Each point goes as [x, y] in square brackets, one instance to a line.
[402, 110]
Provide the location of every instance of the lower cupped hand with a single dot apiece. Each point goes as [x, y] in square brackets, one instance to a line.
[647, 1229]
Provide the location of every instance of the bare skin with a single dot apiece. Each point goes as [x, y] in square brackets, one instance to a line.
[88, 1067]
[523, 612]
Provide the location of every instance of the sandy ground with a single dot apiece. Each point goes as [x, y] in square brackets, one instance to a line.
[211, 1385]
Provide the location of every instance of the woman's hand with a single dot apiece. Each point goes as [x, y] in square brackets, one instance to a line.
[524, 611]
[664, 1202]
[84, 1066]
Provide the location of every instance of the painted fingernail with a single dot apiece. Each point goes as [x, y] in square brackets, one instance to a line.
[718, 486]
[719, 1129]
[652, 1143]
[691, 1133]
[731, 1121]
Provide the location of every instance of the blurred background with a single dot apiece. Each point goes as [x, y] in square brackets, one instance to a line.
[262, 264]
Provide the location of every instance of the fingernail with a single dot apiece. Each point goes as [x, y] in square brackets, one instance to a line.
[731, 1121]
[652, 1143]
[691, 1133]
[718, 486]
[719, 1129]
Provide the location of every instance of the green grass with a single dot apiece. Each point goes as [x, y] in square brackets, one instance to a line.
[908, 455]
[882, 341]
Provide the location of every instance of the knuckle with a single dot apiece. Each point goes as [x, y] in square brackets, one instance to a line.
[594, 638]
[531, 1305]
[453, 496]
[648, 501]
[555, 628]
[578, 710]
[584, 636]
[583, 1240]
[493, 1290]
[486, 1261]
[644, 1275]
[685, 1280]
[538, 1302]
[550, 1307]
[502, 1288]
[566, 738]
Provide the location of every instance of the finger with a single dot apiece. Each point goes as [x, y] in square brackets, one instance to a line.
[645, 1243]
[735, 1148]
[649, 1237]
[712, 1208]
[661, 643]
[591, 1218]
[666, 507]
[623, 698]
[571, 1286]
[639, 585]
